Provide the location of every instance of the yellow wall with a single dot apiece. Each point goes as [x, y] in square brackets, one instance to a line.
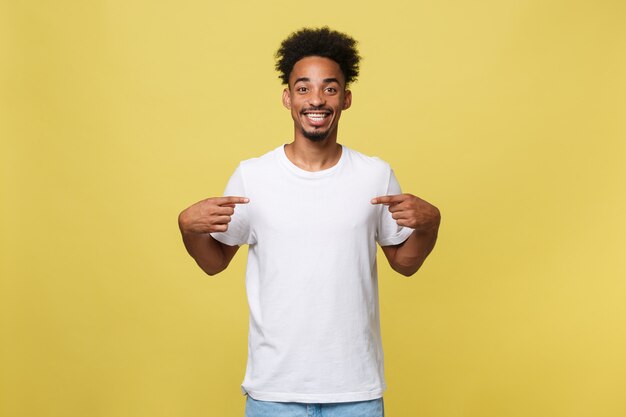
[509, 115]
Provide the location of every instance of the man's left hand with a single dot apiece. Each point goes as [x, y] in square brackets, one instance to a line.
[411, 211]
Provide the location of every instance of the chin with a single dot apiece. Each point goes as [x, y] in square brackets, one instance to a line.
[316, 136]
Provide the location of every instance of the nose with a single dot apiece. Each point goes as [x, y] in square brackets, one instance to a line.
[317, 98]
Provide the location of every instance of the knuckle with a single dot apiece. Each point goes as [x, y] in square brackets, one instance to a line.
[220, 227]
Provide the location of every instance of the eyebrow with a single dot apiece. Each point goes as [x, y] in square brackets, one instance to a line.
[326, 80]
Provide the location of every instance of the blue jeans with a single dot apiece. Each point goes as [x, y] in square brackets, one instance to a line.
[371, 408]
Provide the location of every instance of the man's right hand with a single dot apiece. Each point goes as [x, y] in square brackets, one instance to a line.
[210, 215]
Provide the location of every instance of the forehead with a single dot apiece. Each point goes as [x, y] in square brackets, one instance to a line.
[316, 68]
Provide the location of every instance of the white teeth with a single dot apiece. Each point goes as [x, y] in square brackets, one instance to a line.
[317, 116]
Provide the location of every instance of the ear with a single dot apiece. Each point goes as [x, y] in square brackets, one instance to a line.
[347, 100]
[286, 98]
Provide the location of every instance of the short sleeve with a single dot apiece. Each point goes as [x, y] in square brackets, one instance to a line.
[238, 232]
[389, 232]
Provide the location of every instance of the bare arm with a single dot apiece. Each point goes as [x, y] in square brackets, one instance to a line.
[411, 211]
[202, 218]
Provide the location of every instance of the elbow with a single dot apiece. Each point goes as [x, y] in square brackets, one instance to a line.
[408, 266]
[407, 270]
[211, 272]
[212, 269]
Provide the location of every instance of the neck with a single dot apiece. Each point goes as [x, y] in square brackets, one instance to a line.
[313, 156]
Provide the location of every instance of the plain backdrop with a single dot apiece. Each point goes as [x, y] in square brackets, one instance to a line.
[508, 115]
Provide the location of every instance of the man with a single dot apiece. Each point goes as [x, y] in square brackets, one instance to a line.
[311, 212]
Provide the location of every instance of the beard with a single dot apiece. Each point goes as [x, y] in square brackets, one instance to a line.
[315, 136]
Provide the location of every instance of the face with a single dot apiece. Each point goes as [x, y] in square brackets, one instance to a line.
[316, 97]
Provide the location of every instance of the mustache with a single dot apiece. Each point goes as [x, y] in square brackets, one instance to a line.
[317, 109]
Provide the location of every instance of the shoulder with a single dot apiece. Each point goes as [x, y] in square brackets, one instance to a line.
[370, 163]
[260, 163]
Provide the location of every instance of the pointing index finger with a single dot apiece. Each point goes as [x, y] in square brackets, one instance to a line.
[229, 200]
[388, 199]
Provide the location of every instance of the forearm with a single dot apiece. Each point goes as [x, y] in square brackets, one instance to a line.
[206, 251]
[209, 254]
[409, 256]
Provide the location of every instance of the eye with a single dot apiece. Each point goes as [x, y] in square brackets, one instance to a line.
[331, 90]
[302, 90]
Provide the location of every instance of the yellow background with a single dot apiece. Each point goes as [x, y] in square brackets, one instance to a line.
[509, 115]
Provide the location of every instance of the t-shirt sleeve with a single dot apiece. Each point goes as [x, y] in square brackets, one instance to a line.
[238, 232]
[389, 232]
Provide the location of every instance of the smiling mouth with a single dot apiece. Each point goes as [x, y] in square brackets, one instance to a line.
[316, 116]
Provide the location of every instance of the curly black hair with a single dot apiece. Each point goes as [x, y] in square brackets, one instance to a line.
[323, 42]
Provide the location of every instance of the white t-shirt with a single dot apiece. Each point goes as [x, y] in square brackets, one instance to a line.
[311, 277]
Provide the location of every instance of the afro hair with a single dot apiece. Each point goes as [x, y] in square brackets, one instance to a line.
[323, 42]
